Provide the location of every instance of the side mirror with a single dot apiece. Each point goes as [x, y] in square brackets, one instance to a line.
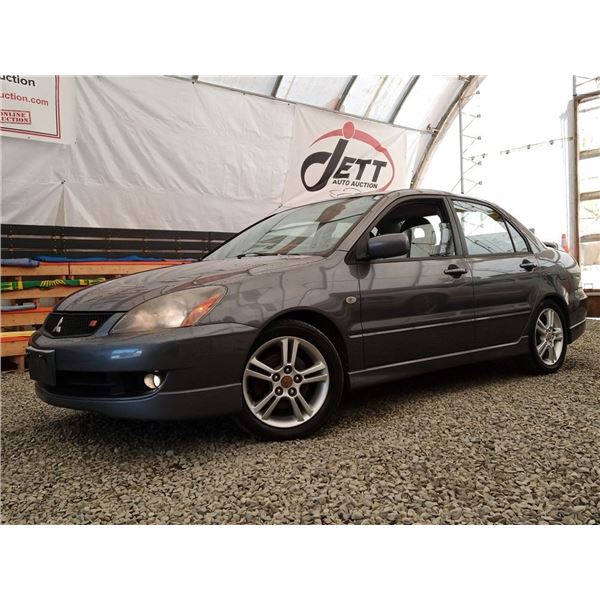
[388, 245]
[551, 245]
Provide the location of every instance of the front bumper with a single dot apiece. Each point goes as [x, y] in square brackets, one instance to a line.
[202, 370]
[577, 314]
[190, 404]
[577, 330]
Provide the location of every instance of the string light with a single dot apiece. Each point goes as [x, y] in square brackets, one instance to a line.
[526, 147]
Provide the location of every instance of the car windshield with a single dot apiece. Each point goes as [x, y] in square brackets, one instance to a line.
[312, 229]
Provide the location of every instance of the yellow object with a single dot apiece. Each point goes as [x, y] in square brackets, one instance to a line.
[9, 334]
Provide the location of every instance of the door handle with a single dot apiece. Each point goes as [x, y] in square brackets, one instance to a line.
[455, 271]
[527, 265]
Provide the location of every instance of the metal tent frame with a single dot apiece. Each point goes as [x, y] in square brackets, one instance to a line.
[433, 124]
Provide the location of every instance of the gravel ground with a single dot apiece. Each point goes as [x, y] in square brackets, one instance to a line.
[480, 444]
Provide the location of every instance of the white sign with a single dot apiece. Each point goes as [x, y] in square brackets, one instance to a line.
[39, 108]
[335, 155]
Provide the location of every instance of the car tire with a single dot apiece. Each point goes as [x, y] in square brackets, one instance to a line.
[547, 340]
[292, 382]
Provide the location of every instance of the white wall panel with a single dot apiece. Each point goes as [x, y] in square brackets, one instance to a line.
[157, 152]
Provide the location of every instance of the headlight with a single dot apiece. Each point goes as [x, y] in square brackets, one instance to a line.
[177, 309]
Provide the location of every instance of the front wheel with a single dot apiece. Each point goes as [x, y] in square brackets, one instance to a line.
[292, 382]
[547, 340]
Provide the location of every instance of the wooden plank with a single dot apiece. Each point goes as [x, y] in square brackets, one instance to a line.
[17, 318]
[76, 268]
[12, 336]
[153, 248]
[37, 245]
[39, 230]
[100, 269]
[80, 242]
[35, 293]
[127, 247]
[16, 348]
[111, 254]
[57, 231]
[42, 270]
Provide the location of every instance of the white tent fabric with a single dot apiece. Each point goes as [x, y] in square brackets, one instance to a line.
[176, 153]
[517, 166]
[153, 152]
[417, 101]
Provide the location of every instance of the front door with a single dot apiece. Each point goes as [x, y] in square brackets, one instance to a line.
[420, 305]
[504, 270]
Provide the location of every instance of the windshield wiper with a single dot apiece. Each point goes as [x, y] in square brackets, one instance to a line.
[244, 254]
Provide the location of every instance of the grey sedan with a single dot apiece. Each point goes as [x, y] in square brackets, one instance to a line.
[277, 322]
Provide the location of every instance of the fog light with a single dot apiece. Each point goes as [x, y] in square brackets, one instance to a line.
[152, 380]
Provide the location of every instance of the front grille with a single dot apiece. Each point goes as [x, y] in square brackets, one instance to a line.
[99, 385]
[69, 324]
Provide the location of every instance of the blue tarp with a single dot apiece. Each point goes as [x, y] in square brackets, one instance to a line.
[61, 259]
[24, 306]
[19, 262]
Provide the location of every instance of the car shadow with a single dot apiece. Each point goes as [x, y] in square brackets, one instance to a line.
[82, 428]
[98, 431]
[457, 379]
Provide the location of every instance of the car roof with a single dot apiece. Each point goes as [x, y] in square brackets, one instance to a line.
[395, 194]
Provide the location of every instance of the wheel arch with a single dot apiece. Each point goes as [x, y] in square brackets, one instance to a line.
[320, 321]
[564, 308]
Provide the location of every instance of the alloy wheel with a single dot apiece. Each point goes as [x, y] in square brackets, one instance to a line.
[286, 381]
[549, 336]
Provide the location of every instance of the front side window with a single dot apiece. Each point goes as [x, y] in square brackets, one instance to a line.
[484, 229]
[312, 229]
[518, 240]
[425, 223]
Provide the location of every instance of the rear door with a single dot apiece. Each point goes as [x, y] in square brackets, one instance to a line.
[505, 273]
[420, 305]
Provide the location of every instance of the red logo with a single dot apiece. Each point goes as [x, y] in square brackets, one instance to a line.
[341, 168]
[93, 323]
[19, 117]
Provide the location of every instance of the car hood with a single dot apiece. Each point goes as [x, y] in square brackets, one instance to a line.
[126, 292]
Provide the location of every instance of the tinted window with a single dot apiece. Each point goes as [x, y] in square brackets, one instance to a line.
[426, 225]
[518, 240]
[484, 229]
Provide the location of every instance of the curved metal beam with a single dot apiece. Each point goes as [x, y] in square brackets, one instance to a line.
[276, 86]
[322, 108]
[345, 93]
[403, 96]
[470, 85]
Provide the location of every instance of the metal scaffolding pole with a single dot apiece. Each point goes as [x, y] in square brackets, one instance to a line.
[460, 143]
[464, 147]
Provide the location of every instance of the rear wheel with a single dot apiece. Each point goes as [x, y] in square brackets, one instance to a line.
[547, 340]
[292, 382]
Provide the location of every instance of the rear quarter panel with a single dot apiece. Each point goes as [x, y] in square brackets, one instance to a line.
[561, 276]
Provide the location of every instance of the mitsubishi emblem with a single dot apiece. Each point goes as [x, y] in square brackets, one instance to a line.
[57, 326]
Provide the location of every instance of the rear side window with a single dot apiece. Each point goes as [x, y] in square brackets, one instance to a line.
[518, 240]
[485, 230]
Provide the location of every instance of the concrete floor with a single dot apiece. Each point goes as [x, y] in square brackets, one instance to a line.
[479, 444]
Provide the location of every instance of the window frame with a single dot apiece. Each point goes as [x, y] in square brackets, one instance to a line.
[513, 226]
[360, 246]
[505, 218]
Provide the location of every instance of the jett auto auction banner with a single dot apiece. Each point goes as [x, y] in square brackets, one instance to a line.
[37, 108]
[335, 155]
